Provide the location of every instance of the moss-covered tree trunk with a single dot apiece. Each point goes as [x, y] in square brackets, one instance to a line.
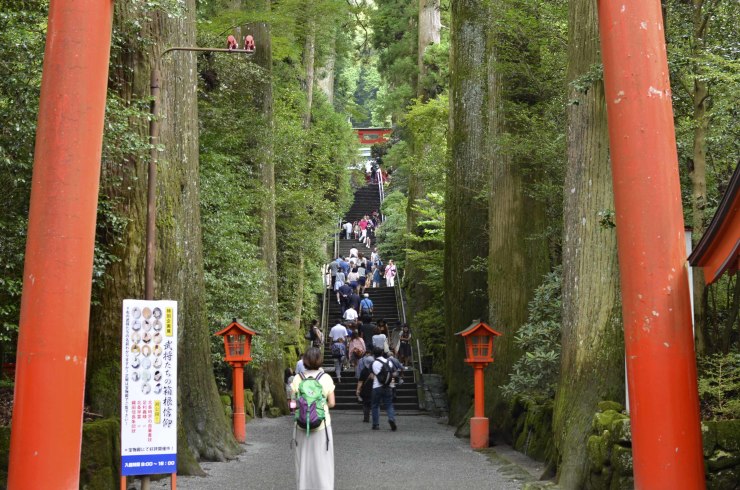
[272, 373]
[592, 357]
[179, 267]
[518, 255]
[429, 33]
[700, 100]
[309, 59]
[430, 25]
[327, 72]
[466, 196]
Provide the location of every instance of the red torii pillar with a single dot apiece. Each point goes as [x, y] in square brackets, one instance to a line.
[661, 364]
[46, 430]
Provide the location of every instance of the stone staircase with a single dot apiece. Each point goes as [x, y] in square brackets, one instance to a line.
[385, 307]
[367, 200]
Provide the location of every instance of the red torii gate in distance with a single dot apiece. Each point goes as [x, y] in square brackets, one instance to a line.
[371, 136]
[45, 451]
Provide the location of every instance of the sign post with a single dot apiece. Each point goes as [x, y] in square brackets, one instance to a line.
[149, 388]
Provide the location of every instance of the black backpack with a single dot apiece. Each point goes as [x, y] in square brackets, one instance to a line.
[385, 376]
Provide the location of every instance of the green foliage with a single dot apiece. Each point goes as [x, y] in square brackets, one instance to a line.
[712, 58]
[391, 243]
[535, 374]
[22, 35]
[312, 189]
[719, 386]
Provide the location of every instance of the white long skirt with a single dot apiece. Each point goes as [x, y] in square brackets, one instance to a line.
[314, 464]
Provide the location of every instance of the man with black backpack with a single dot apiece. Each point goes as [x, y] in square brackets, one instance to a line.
[382, 391]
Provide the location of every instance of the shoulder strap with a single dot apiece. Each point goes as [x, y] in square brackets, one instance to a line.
[303, 376]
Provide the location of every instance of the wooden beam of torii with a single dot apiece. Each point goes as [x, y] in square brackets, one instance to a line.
[718, 251]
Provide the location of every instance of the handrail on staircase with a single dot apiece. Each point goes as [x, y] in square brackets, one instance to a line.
[325, 297]
[381, 191]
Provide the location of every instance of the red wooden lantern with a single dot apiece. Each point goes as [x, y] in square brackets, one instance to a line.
[238, 346]
[479, 347]
[479, 342]
[237, 342]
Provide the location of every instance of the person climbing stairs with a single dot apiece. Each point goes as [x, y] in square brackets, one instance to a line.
[385, 307]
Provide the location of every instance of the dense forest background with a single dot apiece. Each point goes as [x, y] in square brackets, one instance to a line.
[500, 204]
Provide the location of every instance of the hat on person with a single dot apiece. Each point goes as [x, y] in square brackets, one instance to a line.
[366, 295]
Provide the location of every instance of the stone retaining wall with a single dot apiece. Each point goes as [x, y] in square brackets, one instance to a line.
[528, 428]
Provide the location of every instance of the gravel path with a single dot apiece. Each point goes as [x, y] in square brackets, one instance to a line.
[421, 454]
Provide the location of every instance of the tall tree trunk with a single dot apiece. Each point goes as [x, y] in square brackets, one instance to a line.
[430, 25]
[592, 356]
[518, 256]
[179, 269]
[466, 243]
[326, 74]
[273, 368]
[429, 32]
[309, 57]
[698, 173]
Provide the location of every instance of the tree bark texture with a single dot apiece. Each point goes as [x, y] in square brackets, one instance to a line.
[466, 240]
[429, 32]
[273, 368]
[430, 25]
[518, 256]
[592, 355]
[309, 58]
[700, 99]
[179, 267]
[326, 73]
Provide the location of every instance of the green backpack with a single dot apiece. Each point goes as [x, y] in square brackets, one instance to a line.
[310, 404]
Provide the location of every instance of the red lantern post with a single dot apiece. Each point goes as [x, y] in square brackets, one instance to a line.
[479, 347]
[238, 346]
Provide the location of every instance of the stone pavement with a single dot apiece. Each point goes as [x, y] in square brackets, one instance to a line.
[422, 454]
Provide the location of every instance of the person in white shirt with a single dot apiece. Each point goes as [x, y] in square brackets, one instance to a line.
[338, 334]
[350, 315]
[347, 230]
[382, 393]
[353, 252]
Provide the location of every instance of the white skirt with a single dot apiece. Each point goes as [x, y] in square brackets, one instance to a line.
[314, 463]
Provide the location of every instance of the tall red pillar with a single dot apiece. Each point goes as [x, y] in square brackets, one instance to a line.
[479, 421]
[46, 429]
[240, 421]
[661, 365]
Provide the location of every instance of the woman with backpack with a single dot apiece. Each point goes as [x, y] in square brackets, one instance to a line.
[314, 442]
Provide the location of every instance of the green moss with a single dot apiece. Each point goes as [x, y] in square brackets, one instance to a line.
[604, 420]
[599, 481]
[621, 461]
[104, 390]
[622, 431]
[708, 438]
[724, 480]
[274, 412]
[622, 482]
[249, 404]
[100, 457]
[226, 400]
[598, 449]
[603, 406]
[533, 431]
[728, 434]
[721, 460]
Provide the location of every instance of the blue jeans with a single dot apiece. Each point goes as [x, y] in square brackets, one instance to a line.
[383, 395]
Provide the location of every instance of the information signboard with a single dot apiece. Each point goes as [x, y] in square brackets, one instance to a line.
[149, 387]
